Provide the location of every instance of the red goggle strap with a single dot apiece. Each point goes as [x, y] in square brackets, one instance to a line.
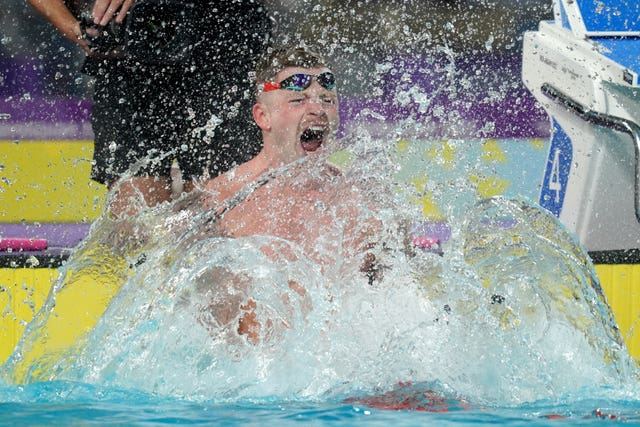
[268, 86]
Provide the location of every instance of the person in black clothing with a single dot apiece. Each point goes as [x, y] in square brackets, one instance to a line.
[171, 83]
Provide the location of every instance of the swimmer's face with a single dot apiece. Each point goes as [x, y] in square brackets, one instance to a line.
[298, 122]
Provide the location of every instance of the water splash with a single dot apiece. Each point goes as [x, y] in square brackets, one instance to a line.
[509, 309]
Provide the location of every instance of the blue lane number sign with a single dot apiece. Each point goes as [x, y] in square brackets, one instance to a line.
[556, 175]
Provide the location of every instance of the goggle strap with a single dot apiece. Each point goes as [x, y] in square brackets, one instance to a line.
[267, 86]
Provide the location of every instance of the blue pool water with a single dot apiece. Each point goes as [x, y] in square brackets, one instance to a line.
[60, 403]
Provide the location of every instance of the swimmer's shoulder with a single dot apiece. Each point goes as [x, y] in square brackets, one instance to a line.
[228, 184]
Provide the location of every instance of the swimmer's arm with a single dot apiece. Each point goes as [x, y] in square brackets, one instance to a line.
[362, 234]
[372, 269]
[61, 17]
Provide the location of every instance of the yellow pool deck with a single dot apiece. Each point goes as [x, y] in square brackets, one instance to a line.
[48, 182]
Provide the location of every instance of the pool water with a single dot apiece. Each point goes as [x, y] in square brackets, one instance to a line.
[63, 403]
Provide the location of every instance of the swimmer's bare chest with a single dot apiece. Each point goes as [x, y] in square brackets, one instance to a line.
[284, 212]
[327, 222]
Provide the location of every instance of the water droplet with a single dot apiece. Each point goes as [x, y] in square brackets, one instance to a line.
[489, 43]
[32, 261]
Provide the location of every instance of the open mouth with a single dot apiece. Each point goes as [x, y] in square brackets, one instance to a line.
[312, 137]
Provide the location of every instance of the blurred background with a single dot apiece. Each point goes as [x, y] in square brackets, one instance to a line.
[431, 60]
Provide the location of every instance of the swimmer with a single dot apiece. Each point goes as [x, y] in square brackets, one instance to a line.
[297, 111]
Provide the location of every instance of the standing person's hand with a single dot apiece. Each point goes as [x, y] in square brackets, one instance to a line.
[64, 21]
[76, 36]
[105, 10]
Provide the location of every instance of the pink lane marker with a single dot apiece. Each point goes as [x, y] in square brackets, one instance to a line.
[425, 242]
[22, 244]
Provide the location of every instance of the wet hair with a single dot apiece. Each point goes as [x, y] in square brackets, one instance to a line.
[277, 59]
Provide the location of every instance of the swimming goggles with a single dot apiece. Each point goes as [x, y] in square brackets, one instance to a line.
[301, 81]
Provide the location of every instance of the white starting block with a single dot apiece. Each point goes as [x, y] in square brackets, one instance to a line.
[583, 67]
